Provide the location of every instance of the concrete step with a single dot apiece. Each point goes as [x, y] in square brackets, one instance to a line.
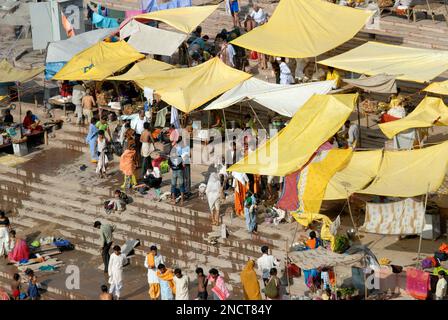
[86, 242]
[180, 214]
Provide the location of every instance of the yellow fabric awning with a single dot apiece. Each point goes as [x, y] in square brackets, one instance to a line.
[438, 88]
[431, 111]
[98, 62]
[304, 28]
[9, 73]
[373, 58]
[184, 19]
[189, 88]
[318, 120]
[410, 173]
[359, 172]
[142, 69]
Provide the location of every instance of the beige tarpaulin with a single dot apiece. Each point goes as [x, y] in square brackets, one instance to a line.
[360, 171]
[9, 73]
[320, 257]
[146, 39]
[381, 83]
[142, 69]
[189, 88]
[183, 19]
[431, 111]
[410, 173]
[304, 28]
[373, 58]
[438, 88]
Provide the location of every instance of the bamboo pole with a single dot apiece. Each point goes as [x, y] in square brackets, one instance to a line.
[359, 120]
[421, 231]
[20, 105]
[286, 269]
[256, 116]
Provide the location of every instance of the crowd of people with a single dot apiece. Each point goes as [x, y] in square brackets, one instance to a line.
[165, 283]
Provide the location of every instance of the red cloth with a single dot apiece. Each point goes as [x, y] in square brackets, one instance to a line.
[27, 122]
[19, 252]
[387, 118]
[66, 90]
[417, 283]
[289, 200]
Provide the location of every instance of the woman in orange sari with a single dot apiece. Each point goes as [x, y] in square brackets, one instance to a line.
[128, 165]
[240, 183]
[251, 287]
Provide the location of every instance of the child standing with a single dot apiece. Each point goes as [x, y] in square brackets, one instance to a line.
[202, 285]
[441, 286]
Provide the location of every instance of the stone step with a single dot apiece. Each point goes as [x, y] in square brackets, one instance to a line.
[138, 212]
[87, 242]
[184, 247]
[46, 182]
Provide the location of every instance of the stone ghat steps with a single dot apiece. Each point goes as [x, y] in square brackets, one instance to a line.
[142, 211]
[86, 240]
[96, 195]
[138, 228]
[74, 209]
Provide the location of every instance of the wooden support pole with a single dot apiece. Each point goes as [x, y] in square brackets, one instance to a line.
[421, 232]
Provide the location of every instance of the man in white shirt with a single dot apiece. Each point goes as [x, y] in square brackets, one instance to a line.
[353, 133]
[258, 15]
[78, 93]
[116, 263]
[265, 263]
[139, 128]
[285, 72]
[138, 125]
[441, 286]
[181, 283]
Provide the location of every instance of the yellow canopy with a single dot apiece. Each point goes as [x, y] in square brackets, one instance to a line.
[359, 172]
[183, 19]
[142, 69]
[438, 88]
[98, 62]
[431, 111]
[373, 58]
[318, 120]
[304, 28]
[409, 173]
[189, 88]
[9, 73]
[314, 178]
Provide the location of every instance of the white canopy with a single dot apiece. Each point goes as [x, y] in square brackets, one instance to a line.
[64, 50]
[146, 39]
[283, 99]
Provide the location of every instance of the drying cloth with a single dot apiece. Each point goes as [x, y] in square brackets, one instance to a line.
[417, 283]
[395, 218]
[161, 118]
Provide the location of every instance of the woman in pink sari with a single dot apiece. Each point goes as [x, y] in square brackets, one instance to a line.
[19, 249]
[219, 290]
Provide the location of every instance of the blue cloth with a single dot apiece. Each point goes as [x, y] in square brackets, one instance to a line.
[200, 42]
[104, 22]
[251, 218]
[154, 5]
[234, 6]
[91, 139]
[33, 291]
[52, 68]
[165, 291]
[310, 276]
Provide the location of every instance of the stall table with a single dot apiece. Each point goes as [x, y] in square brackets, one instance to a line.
[61, 102]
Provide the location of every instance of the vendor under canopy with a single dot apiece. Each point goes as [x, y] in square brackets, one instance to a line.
[32, 123]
